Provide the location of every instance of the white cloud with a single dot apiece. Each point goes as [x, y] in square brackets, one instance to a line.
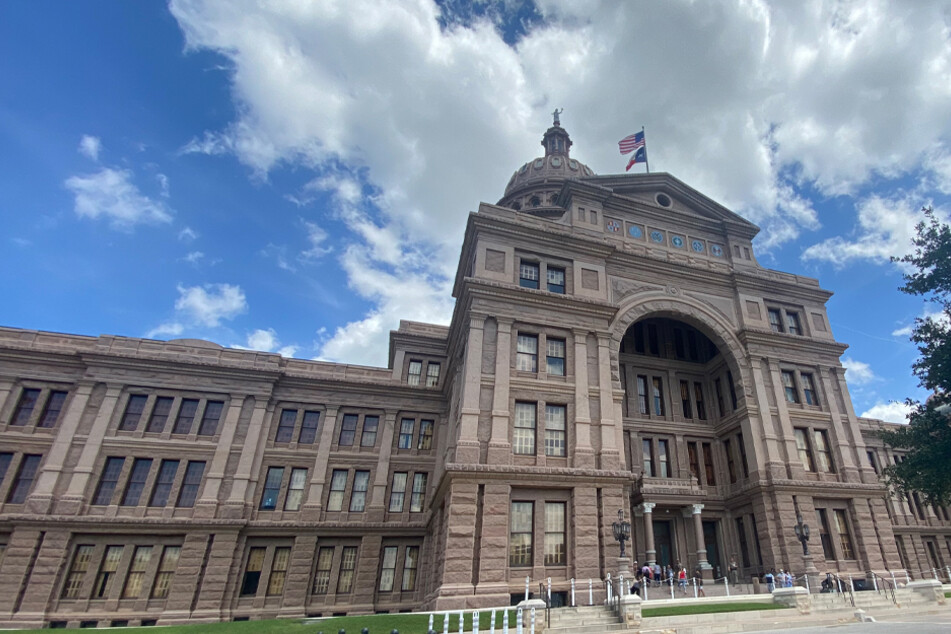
[748, 102]
[163, 184]
[187, 234]
[266, 341]
[89, 146]
[207, 305]
[194, 257]
[930, 313]
[893, 412]
[169, 329]
[110, 193]
[858, 372]
[316, 237]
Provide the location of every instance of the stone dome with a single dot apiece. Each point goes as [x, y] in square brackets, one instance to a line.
[535, 183]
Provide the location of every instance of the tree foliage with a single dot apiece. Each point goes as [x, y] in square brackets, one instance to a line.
[926, 440]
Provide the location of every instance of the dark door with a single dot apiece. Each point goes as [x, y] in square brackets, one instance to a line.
[663, 542]
[710, 540]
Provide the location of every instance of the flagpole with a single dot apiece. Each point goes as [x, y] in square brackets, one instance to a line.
[647, 162]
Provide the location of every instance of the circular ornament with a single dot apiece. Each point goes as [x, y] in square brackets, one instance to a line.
[677, 241]
[634, 231]
[697, 246]
[657, 236]
[716, 250]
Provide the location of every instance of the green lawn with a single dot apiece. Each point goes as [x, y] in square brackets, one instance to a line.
[680, 610]
[375, 623]
[947, 595]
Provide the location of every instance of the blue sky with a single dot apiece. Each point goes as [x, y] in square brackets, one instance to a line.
[295, 177]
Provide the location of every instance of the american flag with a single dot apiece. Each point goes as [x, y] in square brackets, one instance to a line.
[632, 142]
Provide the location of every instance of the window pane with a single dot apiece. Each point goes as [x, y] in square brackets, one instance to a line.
[191, 484]
[370, 425]
[415, 371]
[107, 572]
[520, 547]
[556, 357]
[555, 444]
[285, 426]
[358, 497]
[136, 484]
[410, 563]
[133, 582]
[432, 374]
[348, 430]
[397, 492]
[663, 458]
[252, 571]
[186, 416]
[295, 490]
[647, 453]
[133, 411]
[25, 407]
[789, 386]
[845, 537]
[209, 420]
[167, 566]
[24, 479]
[775, 319]
[163, 484]
[160, 412]
[338, 484]
[523, 440]
[528, 275]
[388, 569]
[809, 389]
[425, 435]
[108, 481]
[348, 562]
[805, 452]
[54, 405]
[405, 440]
[526, 358]
[658, 395]
[555, 534]
[275, 584]
[325, 558]
[77, 571]
[556, 280]
[308, 429]
[419, 493]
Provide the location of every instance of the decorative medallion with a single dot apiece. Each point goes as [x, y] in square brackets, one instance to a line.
[539, 163]
[657, 236]
[614, 226]
[555, 161]
[677, 241]
[634, 231]
[716, 250]
[697, 246]
[573, 164]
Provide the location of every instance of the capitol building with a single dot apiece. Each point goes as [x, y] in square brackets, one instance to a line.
[615, 344]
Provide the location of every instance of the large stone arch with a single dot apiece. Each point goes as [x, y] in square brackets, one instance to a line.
[673, 304]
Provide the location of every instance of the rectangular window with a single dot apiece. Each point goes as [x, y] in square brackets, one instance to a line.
[718, 388]
[295, 490]
[308, 428]
[419, 493]
[23, 481]
[133, 411]
[325, 560]
[555, 444]
[693, 458]
[209, 420]
[663, 458]
[871, 461]
[275, 582]
[685, 399]
[252, 571]
[191, 484]
[186, 416]
[163, 484]
[133, 581]
[25, 407]
[166, 569]
[405, 440]
[77, 571]
[805, 452]
[526, 356]
[410, 565]
[528, 275]
[708, 469]
[414, 372]
[136, 483]
[775, 319]
[789, 386]
[642, 398]
[743, 461]
[744, 546]
[556, 280]
[338, 484]
[348, 430]
[285, 426]
[425, 441]
[358, 497]
[823, 453]
[388, 568]
[520, 549]
[792, 323]
[809, 389]
[54, 406]
[825, 538]
[555, 360]
[658, 396]
[348, 563]
[272, 488]
[698, 397]
[648, 457]
[432, 374]
[729, 378]
[397, 493]
[370, 426]
[730, 463]
[108, 481]
[159, 416]
[555, 553]
[524, 434]
[107, 572]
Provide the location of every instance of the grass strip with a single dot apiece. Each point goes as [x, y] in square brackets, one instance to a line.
[712, 608]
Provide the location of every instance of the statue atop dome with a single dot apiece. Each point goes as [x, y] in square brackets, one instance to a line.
[555, 114]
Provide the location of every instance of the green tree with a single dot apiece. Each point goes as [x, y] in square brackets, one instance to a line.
[926, 440]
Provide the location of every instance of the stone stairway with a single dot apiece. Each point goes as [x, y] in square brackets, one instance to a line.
[584, 619]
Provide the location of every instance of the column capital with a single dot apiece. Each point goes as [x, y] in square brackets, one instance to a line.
[648, 507]
[697, 508]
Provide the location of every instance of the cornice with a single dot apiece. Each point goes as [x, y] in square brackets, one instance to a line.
[754, 338]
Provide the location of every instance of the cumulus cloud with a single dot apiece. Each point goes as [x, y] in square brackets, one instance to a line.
[892, 412]
[266, 340]
[89, 146]
[203, 306]
[111, 194]
[404, 111]
[858, 372]
[316, 238]
[187, 234]
[194, 257]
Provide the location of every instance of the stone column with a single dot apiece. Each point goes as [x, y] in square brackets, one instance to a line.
[207, 505]
[242, 490]
[378, 502]
[467, 444]
[698, 532]
[72, 501]
[649, 551]
[584, 453]
[610, 427]
[500, 449]
[311, 510]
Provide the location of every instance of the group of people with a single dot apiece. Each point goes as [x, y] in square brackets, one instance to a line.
[781, 579]
[647, 576]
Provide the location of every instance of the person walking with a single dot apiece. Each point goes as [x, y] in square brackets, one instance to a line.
[770, 580]
[682, 580]
[698, 580]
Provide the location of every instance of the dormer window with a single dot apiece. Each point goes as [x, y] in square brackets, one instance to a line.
[414, 373]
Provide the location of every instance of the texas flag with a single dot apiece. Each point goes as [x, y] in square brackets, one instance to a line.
[634, 143]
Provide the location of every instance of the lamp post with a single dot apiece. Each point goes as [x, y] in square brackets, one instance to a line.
[802, 534]
[622, 530]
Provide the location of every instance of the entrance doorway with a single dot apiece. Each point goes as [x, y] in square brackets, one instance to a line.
[664, 542]
[710, 541]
